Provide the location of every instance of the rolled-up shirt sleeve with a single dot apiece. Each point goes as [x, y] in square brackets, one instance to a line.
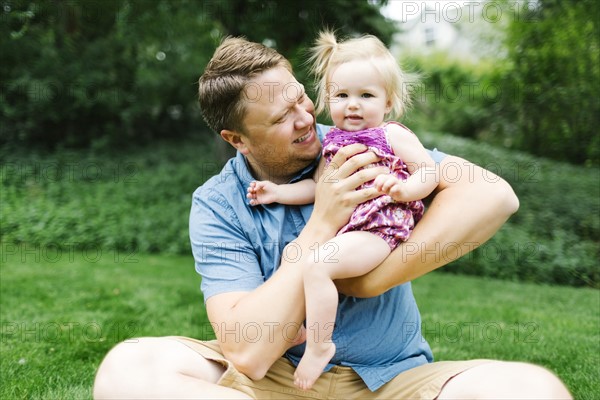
[436, 155]
[223, 255]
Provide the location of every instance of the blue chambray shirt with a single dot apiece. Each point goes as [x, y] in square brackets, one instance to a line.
[237, 247]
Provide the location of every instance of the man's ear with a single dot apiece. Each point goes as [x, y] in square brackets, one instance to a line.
[235, 139]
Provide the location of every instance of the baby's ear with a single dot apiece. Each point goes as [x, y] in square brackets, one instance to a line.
[388, 107]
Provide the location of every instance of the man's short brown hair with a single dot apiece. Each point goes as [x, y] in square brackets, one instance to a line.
[235, 62]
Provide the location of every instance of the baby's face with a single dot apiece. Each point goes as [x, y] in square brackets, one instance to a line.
[357, 96]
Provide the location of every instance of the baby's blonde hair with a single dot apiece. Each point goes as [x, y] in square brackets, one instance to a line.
[328, 54]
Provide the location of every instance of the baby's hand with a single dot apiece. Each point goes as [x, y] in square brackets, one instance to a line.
[390, 185]
[262, 192]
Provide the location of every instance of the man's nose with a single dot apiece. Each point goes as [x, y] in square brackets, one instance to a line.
[305, 119]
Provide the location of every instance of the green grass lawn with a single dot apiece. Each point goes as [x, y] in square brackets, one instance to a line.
[62, 311]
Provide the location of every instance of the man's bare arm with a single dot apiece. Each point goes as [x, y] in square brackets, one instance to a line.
[255, 328]
[469, 207]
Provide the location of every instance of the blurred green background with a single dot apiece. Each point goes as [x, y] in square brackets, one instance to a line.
[102, 141]
[102, 144]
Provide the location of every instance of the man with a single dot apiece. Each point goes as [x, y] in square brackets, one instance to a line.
[251, 261]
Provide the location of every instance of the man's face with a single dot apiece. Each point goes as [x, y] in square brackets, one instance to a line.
[280, 137]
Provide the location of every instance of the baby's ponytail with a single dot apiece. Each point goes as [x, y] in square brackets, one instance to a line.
[321, 54]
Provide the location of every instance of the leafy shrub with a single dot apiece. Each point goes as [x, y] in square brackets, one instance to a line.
[555, 235]
[130, 201]
[138, 200]
[453, 96]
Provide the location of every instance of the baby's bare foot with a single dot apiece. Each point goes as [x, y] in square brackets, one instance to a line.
[313, 362]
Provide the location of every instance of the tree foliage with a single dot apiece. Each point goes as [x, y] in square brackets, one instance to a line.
[110, 72]
[88, 72]
[291, 26]
[554, 51]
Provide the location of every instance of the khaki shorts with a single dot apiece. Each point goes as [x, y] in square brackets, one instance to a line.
[423, 382]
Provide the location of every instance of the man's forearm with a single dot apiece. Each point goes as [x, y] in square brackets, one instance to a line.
[261, 325]
[277, 306]
[469, 208]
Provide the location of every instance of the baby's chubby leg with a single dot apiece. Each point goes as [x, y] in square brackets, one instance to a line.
[348, 255]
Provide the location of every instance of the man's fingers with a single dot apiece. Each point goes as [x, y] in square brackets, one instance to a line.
[347, 152]
[360, 196]
[335, 172]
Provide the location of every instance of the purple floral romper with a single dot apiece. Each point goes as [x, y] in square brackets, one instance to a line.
[390, 220]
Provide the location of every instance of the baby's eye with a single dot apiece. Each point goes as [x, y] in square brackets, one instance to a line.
[367, 95]
[342, 95]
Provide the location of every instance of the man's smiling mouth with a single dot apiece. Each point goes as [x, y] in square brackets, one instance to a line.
[303, 138]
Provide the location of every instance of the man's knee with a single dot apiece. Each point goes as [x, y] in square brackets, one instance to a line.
[132, 351]
[511, 380]
[540, 380]
[123, 363]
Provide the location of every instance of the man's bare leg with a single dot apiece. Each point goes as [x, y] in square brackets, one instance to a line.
[505, 380]
[154, 368]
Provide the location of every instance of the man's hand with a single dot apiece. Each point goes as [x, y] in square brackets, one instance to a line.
[336, 196]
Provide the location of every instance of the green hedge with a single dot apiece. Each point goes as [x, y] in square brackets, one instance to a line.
[135, 200]
[138, 200]
[554, 237]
